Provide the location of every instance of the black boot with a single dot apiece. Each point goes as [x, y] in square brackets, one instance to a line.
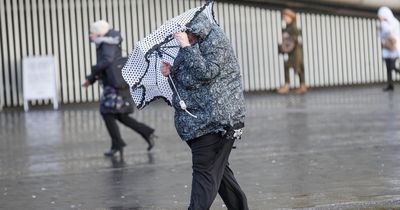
[150, 141]
[388, 88]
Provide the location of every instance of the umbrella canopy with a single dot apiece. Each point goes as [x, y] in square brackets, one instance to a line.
[142, 70]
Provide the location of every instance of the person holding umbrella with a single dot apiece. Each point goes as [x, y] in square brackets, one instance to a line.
[209, 110]
[115, 102]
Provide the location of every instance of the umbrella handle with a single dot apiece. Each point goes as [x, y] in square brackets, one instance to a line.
[183, 106]
[181, 102]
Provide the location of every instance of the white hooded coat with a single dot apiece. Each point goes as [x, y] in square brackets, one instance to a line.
[389, 27]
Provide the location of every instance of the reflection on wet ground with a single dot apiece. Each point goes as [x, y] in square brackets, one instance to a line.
[328, 149]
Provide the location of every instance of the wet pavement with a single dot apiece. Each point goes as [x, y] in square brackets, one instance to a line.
[328, 149]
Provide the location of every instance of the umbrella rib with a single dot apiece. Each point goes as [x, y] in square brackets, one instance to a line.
[171, 56]
[157, 47]
[155, 67]
[168, 47]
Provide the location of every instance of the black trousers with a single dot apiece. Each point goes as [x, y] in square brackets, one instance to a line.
[390, 66]
[113, 129]
[212, 175]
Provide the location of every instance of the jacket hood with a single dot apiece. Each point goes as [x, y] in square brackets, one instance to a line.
[390, 21]
[201, 26]
[386, 13]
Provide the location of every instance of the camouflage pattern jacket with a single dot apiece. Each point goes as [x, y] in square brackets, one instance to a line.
[207, 78]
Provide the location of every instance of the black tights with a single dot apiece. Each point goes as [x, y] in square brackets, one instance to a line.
[112, 128]
[390, 66]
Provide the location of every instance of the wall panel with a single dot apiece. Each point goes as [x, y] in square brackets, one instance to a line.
[338, 50]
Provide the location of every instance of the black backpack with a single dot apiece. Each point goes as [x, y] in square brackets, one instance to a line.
[114, 74]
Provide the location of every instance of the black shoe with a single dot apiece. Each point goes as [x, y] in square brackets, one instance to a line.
[388, 88]
[110, 153]
[150, 141]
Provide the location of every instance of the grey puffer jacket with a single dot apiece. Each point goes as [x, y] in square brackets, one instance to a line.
[207, 77]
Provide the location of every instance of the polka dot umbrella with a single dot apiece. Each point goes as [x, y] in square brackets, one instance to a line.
[142, 70]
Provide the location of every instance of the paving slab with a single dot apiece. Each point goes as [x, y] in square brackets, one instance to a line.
[336, 148]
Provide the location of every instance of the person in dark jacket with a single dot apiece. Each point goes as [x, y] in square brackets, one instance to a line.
[295, 61]
[208, 82]
[115, 102]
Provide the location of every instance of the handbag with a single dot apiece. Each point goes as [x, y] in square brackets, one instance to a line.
[110, 100]
[288, 43]
[389, 43]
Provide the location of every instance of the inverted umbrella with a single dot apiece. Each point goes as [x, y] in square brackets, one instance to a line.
[142, 70]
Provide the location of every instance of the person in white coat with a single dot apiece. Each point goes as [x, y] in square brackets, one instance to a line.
[389, 32]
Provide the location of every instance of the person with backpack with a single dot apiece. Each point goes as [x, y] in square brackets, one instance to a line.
[389, 32]
[115, 102]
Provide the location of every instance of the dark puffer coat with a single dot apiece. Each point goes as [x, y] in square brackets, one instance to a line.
[108, 51]
[207, 77]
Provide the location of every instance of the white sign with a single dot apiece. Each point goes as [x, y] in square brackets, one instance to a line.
[39, 79]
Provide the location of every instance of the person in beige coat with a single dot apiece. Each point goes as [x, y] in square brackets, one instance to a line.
[295, 61]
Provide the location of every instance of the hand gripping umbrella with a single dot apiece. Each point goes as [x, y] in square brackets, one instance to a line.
[142, 70]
